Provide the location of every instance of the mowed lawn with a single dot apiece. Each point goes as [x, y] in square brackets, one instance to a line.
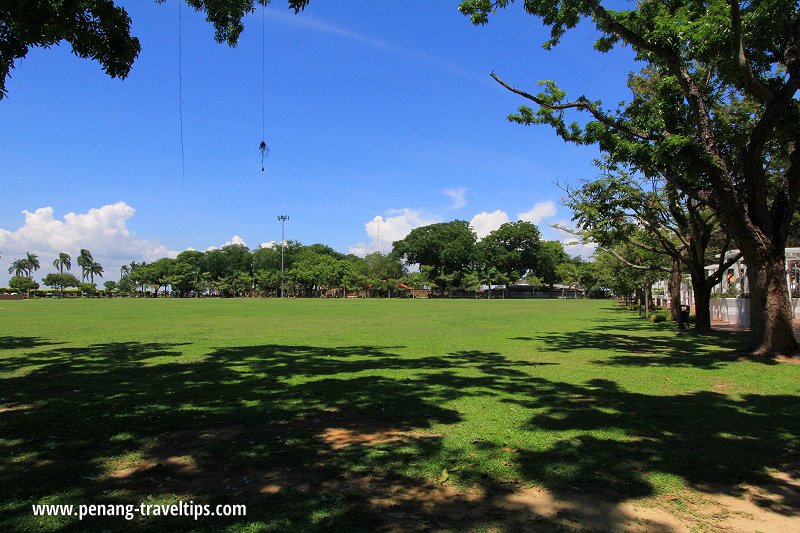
[306, 409]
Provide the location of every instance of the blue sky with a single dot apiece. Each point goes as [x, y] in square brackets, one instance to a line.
[373, 109]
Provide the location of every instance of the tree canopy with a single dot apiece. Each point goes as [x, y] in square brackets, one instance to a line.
[513, 249]
[100, 29]
[716, 102]
[447, 248]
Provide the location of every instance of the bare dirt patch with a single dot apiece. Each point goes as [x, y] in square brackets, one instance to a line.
[770, 506]
[338, 438]
[10, 408]
[340, 429]
[405, 504]
[170, 466]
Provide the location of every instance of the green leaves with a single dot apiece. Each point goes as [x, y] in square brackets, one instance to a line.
[101, 30]
[448, 248]
[512, 250]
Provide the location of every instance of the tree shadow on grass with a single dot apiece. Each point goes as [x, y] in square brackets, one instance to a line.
[8, 342]
[315, 438]
[707, 351]
[94, 357]
[706, 438]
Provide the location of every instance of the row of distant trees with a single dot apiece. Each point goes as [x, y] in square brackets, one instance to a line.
[442, 257]
[22, 270]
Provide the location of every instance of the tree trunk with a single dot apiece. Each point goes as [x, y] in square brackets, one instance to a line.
[771, 328]
[675, 290]
[647, 299]
[637, 299]
[701, 288]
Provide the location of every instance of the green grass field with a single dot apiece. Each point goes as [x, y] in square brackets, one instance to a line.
[290, 405]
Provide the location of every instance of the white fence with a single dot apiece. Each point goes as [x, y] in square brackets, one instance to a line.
[737, 310]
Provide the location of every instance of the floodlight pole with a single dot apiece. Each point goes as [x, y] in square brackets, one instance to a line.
[283, 219]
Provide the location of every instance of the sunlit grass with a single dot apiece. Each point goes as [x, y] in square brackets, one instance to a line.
[576, 394]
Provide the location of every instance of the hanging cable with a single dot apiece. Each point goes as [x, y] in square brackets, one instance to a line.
[263, 146]
[180, 90]
[263, 71]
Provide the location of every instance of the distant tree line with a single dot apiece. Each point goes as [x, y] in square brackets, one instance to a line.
[22, 270]
[442, 257]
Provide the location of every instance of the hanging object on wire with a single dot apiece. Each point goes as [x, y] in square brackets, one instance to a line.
[262, 148]
[264, 153]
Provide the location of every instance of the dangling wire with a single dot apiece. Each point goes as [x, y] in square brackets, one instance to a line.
[263, 146]
[180, 90]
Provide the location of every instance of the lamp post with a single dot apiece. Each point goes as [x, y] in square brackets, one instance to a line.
[253, 270]
[283, 219]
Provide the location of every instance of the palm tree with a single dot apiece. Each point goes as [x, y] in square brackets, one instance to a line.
[18, 267]
[64, 261]
[95, 269]
[85, 260]
[33, 263]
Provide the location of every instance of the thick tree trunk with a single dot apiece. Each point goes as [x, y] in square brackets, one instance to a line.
[648, 300]
[675, 290]
[771, 329]
[701, 288]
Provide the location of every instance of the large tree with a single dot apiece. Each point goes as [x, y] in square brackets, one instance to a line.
[447, 248]
[615, 207]
[551, 254]
[186, 272]
[22, 284]
[156, 274]
[100, 29]
[717, 60]
[512, 249]
[314, 271]
[61, 280]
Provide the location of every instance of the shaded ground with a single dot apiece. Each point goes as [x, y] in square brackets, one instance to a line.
[618, 425]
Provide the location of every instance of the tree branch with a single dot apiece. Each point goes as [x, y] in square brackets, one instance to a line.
[638, 267]
[751, 83]
[713, 165]
[724, 265]
[581, 104]
[786, 199]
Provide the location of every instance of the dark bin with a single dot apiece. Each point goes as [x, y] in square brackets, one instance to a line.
[683, 316]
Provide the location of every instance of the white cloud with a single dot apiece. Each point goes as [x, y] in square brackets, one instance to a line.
[234, 240]
[382, 232]
[539, 212]
[555, 229]
[457, 195]
[572, 243]
[318, 25]
[484, 223]
[268, 245]
[419, 57]
[101, 230]
[585, 251]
